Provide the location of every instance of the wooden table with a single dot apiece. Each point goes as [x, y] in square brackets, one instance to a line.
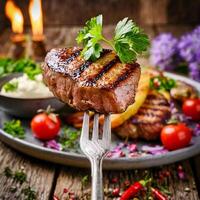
[49, 179]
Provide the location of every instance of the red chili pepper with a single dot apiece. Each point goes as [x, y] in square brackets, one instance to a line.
[158, 195]
[132, 190]
[55, 198]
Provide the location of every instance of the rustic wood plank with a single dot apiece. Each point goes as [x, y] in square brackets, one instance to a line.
[180, 189]
[40, 175]
[195, 166]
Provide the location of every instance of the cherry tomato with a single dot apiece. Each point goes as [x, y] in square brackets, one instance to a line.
[191, 108]
[176, 136]
[45, 126]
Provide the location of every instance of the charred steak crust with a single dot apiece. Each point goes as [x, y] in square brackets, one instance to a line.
[106, 85]
[149, 120]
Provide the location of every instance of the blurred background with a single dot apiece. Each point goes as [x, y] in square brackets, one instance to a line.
[62, 17]
[44, 24]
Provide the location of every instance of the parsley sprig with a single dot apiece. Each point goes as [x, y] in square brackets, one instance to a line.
[69, 138]
[10, 86]
[162, 83]
[128, 40]
[14, 128]
[27, 66]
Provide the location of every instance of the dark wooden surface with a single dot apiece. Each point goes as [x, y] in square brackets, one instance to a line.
[49, 179]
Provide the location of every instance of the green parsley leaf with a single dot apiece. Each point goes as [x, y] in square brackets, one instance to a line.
[27, 66]
[14, 128]
[20, 176]
[162, 83]
[29, 193]
[69, 138]
[90, 36]
[10, 86]
[128, 42]
[8, 172]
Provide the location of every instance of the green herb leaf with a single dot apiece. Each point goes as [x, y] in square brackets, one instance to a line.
[128, 41]
[8, 172]
[69, 138]
[90, 36]
[162, 83]
[14, 128]
[27, 66]
[10, 86]
[20, 176]
[29, 193]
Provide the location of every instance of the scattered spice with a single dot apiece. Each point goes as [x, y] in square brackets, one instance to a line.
[29, 193]
[157, 194]
[20, 176]
[8, 172]
[181, 173]
[115, 192]
[84, 180]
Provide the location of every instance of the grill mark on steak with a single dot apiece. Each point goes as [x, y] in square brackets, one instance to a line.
[77, 73]
[154, 110]
[125, 74]
[103, 70]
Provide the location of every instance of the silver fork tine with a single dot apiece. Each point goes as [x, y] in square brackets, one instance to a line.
[107, 131]
[96, 149]
[95, 132]
[85, 127]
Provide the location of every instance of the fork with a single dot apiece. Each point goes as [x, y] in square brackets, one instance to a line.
[95, 149]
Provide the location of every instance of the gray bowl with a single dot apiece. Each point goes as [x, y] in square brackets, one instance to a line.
[25, 108]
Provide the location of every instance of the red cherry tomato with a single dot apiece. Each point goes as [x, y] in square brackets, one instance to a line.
[176, 136]
[191, 108]
[45, 126]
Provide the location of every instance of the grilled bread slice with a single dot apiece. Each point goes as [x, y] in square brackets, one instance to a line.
[105, 86]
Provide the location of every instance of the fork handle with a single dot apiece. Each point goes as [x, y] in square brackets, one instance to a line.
[97, 183]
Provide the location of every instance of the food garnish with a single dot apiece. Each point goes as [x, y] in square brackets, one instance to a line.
[14, 128]
[45, 125]
[69, 138]
[162, 83]
[176, 136]
[128, 40]
[10, 87]
[26, 66]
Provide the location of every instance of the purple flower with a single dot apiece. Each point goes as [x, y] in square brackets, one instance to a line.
[189, 49]
[194, 69]
[196, 130]
[52, 144]
[164, 51]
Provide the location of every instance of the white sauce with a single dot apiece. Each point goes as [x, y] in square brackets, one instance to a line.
[28, 88]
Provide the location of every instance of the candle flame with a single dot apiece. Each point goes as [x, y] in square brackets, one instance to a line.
[35, 12]
[15, 16]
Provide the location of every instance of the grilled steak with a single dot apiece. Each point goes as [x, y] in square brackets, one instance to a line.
[149, 120]
[106, 85]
